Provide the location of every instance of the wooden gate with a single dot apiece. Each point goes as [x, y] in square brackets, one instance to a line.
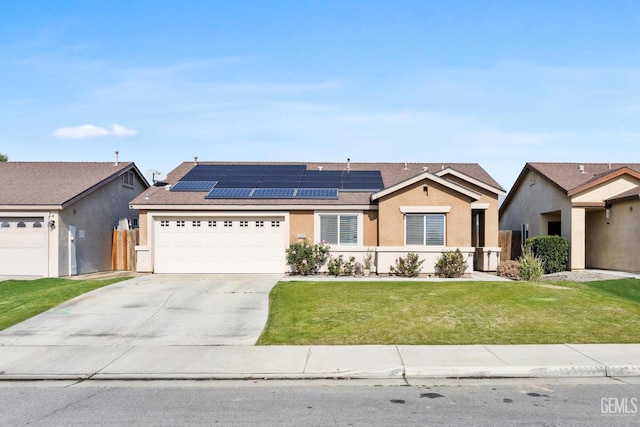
[123, 254]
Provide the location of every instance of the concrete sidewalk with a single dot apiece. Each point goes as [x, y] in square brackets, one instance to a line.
[304, 362]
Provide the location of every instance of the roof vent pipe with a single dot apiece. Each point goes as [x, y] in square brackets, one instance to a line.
[320, 168]
[581, 168]
[425, 169]
[348, 163]
[195, 159]
[405, 166]
[116, 164]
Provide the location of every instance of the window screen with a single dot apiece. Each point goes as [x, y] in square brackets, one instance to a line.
[339, 229]
[427, 229]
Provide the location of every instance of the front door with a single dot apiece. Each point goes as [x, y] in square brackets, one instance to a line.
[73, 264]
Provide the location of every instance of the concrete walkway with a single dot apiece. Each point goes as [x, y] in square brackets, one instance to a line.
[301, 362]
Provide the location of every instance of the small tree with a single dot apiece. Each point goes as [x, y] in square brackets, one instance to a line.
[3, 158]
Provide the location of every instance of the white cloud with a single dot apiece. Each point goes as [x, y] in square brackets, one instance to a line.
[119, 130]
[92, 131]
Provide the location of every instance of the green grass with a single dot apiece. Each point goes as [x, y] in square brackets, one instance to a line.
[22, 299]
[343, 313]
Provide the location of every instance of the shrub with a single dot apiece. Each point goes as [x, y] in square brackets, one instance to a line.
[451, 264]
[338, 267]
[509, 269]
[530, 266]
[553, 251]
[305, 258]
[367, 261]
[410, 266]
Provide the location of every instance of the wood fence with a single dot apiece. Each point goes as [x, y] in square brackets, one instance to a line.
[123, 253]
[511, 244]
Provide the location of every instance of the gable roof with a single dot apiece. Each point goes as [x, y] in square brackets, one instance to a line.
[55, 184]
[392, 174]
[428, 176]
[572, 178]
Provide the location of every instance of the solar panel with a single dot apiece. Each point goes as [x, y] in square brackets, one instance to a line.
[206, 173]
[193, 185]
[317, 193]
[273, 193]
[229, 193]
[234, 183]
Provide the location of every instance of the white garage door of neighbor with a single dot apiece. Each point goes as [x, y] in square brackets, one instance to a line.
[229, 245]
[23, 246]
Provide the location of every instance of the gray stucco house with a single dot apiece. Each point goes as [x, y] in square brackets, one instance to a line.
[57, 218]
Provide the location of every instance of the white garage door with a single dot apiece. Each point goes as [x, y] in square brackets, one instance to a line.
[23, 246]
[219, 245]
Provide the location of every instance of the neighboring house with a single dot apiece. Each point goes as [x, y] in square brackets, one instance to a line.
[595, 206]
[225, 217]
[57, 218]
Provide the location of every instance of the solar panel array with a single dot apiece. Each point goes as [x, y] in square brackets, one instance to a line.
[275, 181]
[273, 193]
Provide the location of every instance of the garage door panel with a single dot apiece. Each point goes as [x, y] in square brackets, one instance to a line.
[219, 249]
[23, 247]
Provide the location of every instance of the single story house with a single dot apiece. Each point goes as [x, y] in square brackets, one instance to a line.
[57, 218]
[595, 206]
[239, 217]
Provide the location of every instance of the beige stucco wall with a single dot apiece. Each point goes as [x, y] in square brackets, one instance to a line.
[301, 224]
[491, 214]
[530, 204]
[604, 191]
[616, 245]
[370, 226]
[391, 219]
[143, 233]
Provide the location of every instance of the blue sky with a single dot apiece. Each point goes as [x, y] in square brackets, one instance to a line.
[499, 83]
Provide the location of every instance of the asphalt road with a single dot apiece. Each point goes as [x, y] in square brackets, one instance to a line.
[525, 402]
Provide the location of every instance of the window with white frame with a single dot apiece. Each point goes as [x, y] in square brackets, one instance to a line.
[425, 229]
[339, 229]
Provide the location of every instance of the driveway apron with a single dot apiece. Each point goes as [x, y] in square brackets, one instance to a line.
[156, 310]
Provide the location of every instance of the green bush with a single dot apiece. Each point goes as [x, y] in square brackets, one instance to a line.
[530, 266]
[305, 258]
[509, 269]
[553, 251]
[451, 264]
[339, 267]
[410, 266]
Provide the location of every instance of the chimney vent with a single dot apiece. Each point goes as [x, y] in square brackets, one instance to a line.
[405, 166]
[348, 163]
[195, 159]
[116, 164]
[320, 168]
[581, 168]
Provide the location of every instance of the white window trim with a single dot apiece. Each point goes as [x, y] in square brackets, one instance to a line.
[444, 245]
[360, 220]
[425, 209]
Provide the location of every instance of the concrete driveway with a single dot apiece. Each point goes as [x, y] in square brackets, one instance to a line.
[156, 310]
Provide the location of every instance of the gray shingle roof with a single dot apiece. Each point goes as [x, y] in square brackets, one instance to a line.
[52, 183]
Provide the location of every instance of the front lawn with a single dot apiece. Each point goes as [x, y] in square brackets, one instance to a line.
[343, 313]
[22, 299]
